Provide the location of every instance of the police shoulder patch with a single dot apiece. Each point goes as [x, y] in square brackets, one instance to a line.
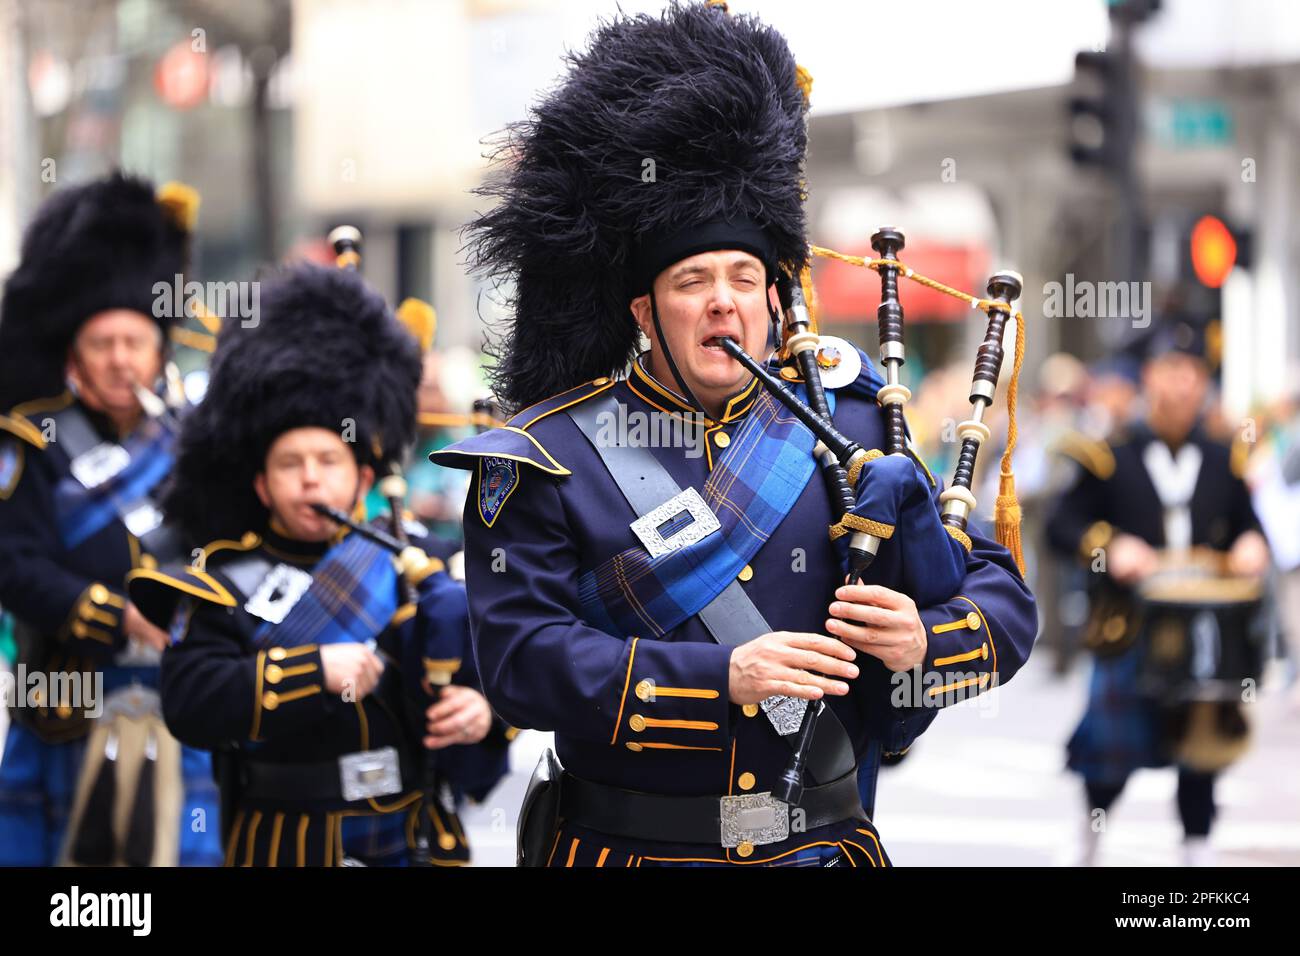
[497, 480]
[11, 466]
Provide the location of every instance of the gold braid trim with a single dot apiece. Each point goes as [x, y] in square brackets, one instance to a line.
[856, 465]
[960, 535]
[859, 523]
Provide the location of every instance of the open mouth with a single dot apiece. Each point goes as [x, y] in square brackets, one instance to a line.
[713, 343]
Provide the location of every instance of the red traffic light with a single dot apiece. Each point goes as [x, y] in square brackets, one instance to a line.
[1214, 251]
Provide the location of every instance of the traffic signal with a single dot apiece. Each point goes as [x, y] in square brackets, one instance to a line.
[1216, 249]
[1103, 115]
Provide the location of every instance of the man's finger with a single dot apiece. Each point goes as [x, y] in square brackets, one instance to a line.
[445, 708]
[805, 679]
[872, 594]
[880, 636]
[821, 645]
[788, 688]
[832, 666]
[864, 613]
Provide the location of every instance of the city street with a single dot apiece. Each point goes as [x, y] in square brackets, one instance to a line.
[986, 786]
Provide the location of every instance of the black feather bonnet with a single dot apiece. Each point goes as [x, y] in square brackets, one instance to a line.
[90, 248]
[670, 136]
[324, 350]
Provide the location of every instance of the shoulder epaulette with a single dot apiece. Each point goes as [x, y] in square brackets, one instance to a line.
[533, 414]
[513, 441]
[156, 592]
[1239, 455]
[19, 424]
[1094, 455]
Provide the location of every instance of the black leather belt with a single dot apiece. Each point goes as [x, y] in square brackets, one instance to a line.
[755, 818]
[311, 782]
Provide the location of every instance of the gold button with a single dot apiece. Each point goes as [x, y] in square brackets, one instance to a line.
[645, 690]
[984, 652]
[64, 711]
[745, 849]
[273, 674]
[789, 374]
[633, 746]
[600, 381]
[745, 573]
[98, 593]
[750, 710]
[973, 621]
[746, 781]
[447, 841]
[1114, 627]
[276, 653]
[722, 439]
[270, 700]
[636, 722]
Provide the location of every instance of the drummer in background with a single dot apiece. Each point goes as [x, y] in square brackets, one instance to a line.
[1159, 485]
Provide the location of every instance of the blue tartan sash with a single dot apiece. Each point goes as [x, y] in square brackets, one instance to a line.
[753, 486]
[352, 597]
[83, 512]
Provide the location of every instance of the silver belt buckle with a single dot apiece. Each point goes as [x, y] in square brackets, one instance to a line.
[370, 773]
[757, 818]
[680, 521]
[784, 713]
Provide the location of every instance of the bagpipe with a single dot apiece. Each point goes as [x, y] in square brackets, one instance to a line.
[880, 498]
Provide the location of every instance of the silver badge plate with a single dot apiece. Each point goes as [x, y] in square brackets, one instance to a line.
[680, 521]
[784, 713]
[370, 773]
[757, 818]
[94, 467]
[142, 519]
[278, 593]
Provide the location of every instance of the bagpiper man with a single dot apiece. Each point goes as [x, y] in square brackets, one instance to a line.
[318, 666]
[92, 777]
[658, 192]
[1161, 517]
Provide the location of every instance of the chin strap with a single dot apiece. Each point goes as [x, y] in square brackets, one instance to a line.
[672, 365]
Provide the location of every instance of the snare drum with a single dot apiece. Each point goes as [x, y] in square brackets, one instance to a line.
[1202, 632]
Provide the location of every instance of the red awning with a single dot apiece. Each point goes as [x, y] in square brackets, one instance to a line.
[848, 293]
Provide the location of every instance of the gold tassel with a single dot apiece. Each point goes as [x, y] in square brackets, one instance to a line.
[1006, 511]
[181, 204]
[420, 319]
[803, 79]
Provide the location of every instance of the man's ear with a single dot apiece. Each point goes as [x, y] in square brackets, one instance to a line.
[640, 307]
[365, 480]
[259, 486]
[72, 369]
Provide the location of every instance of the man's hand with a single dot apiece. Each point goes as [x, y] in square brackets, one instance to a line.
[1129, 559]
[460, 716]
[137, 627]
[790, 663]
[887, 625]
[350, 666]
[1249, 555]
